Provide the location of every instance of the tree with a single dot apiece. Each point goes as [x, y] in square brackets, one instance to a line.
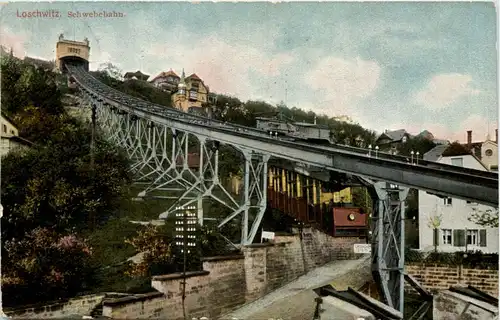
[52, 185]
[486, 218]
[25, 85]
[434, 222]
[44, 265]
[111, 70]
[416, 144]
[156, 249]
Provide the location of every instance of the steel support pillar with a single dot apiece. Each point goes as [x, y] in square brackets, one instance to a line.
[388, 244]
[254, 202]
[160, 161]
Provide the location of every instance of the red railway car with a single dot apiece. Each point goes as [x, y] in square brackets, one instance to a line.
[336, 221]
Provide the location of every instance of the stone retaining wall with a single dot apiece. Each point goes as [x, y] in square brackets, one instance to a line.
[228, 282]
[438, 277]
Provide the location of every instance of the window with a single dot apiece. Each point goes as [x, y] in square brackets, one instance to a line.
[472, 237]
[12, 132]
[457, 162]
[193, 95]
[4, 128]
[488, 153]
[470, 203]
[404, 139]
[446, 236]
[447, 201]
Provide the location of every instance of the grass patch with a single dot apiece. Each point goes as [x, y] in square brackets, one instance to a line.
[110, 253]
[108, 241]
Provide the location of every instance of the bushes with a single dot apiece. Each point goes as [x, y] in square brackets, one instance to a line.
[471, 259]
[44, 264]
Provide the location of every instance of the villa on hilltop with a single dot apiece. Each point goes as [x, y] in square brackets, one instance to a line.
[189, 94]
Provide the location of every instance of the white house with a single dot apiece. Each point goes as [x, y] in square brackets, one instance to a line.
[444, 221]
[9, 136]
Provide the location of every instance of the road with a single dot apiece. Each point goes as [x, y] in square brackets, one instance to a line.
[295, 301]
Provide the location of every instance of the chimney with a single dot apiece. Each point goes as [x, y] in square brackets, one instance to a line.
[496, 135]
[469, 139]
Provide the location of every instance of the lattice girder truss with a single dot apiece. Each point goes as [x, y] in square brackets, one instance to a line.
[388, 245]
[160, 164]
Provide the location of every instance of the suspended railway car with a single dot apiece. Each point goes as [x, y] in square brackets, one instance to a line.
[296, 130]
[345, 221]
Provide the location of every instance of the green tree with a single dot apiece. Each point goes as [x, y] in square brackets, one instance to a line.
[156, 251]
[434, 221]
[25, 85]
[484, 217]
[53, 185]
[416, 144]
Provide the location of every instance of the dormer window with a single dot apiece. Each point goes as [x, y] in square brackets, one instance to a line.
[193, 95]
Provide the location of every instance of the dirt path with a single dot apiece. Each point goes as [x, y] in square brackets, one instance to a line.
[295, 301]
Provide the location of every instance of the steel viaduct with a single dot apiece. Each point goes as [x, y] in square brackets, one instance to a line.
[155, 136]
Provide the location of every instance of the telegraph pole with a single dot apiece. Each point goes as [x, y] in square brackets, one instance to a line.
[184, 253]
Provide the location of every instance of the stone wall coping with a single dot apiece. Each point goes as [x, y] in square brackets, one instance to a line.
[49, 304]
[282, 244]
[135, 298]
[179, 275]
[223, 258]
[443, 265]
[283, 234]
[259, 245]
[268, 244]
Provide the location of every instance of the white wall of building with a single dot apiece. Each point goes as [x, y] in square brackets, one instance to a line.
[7, 129]
[454, 213]
[489, 153]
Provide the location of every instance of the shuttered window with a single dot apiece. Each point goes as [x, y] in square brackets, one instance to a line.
[473, 237]
[446, 236]
[459, 238]
[482, 238]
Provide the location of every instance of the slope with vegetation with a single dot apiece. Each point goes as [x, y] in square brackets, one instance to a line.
[65, 221]
[65, 228]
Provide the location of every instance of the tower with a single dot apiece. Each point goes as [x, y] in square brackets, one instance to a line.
[182, 84]
[70, 51]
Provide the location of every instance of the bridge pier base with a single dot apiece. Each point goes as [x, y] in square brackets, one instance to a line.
[388, 245]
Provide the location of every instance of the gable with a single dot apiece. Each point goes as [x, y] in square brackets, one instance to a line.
[490, 144]
[7, 121]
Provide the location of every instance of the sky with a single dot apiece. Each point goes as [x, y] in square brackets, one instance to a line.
[405, 65]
